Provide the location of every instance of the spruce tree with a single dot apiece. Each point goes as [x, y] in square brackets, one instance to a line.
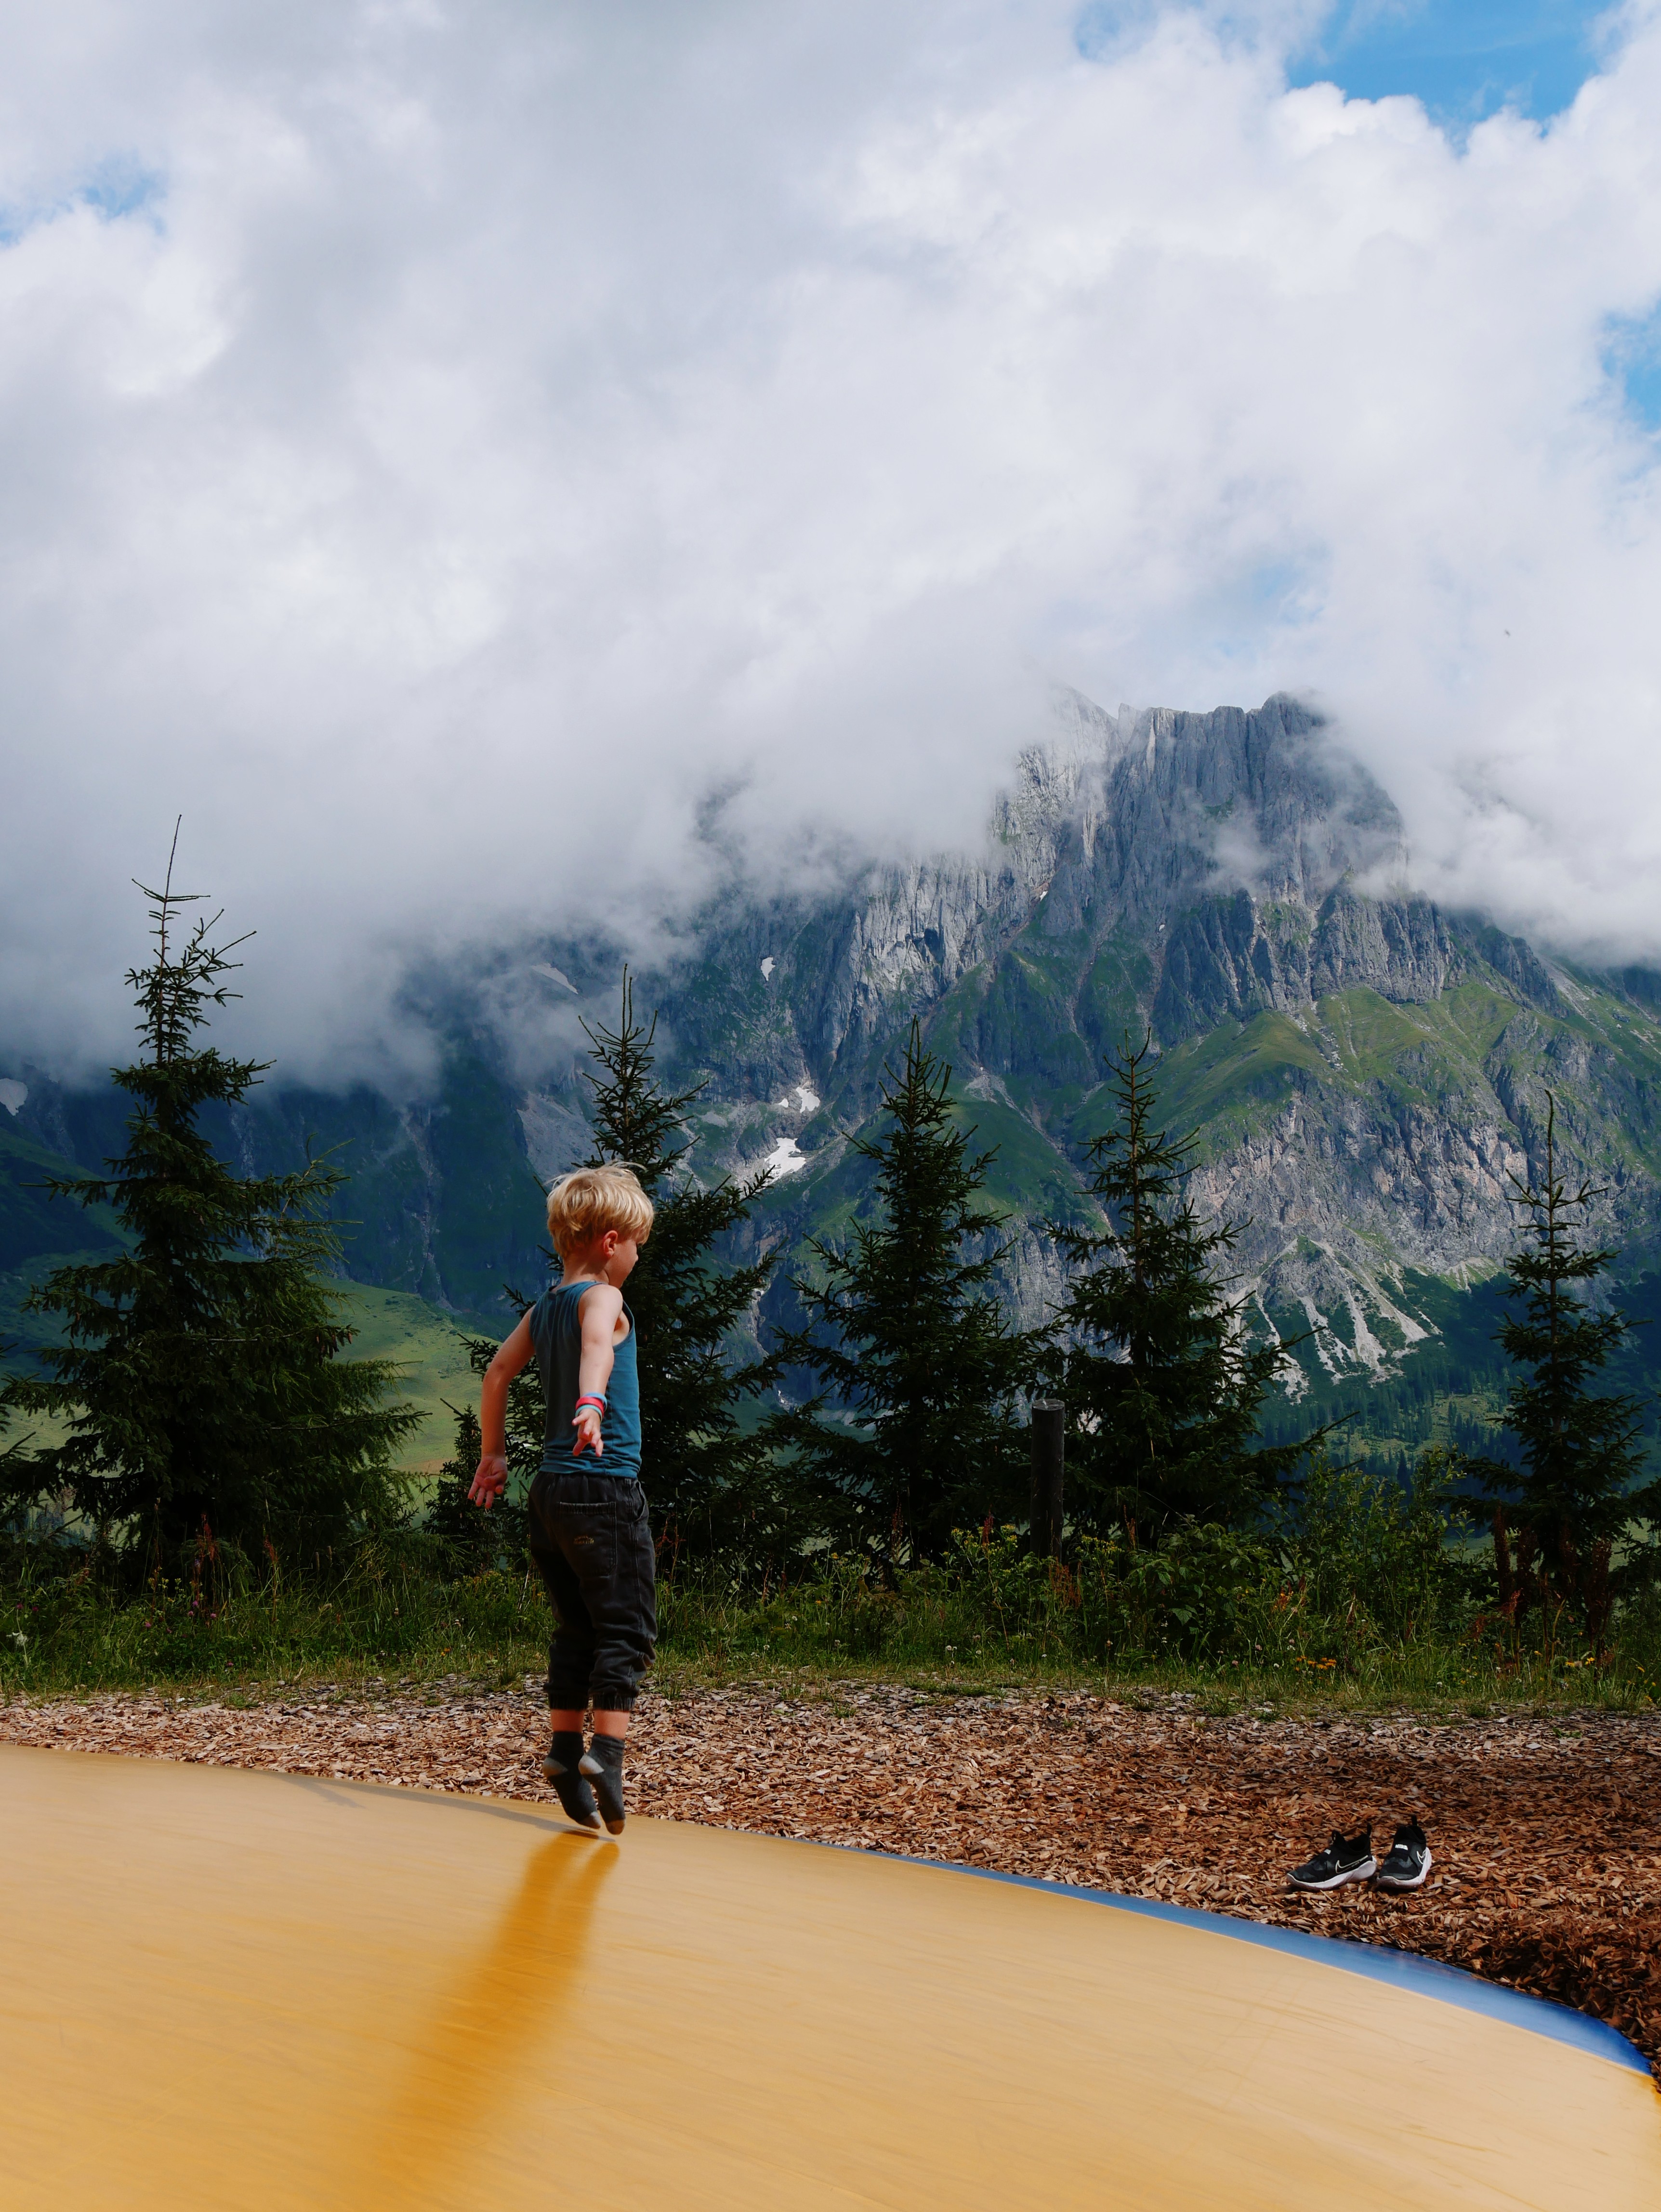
[200, 1372]
[1162, 1390]
[708, 1478]
[915, 1428]
[1574, 1496]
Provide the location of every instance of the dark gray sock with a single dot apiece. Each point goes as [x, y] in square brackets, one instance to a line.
[564, 1768]
[602, 1763]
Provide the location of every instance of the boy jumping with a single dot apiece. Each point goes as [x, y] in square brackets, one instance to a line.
[590, 1535]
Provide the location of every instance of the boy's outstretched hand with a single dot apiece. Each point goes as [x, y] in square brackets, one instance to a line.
[585, 1422]
[490, 1480]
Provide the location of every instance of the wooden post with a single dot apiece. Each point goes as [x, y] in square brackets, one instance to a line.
[1048, 1461]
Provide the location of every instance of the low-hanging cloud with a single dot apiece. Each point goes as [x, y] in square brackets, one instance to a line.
[489, 466]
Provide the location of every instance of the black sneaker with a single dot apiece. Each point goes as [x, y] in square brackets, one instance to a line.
[1408, 1861]
[1346, 1858]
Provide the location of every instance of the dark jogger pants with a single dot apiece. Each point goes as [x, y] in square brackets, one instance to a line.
[592, 1539]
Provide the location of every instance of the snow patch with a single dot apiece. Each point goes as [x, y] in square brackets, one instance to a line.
[988, 1087]
[14, 1096]
[555, 975]
[786, 1158]
[767, 968]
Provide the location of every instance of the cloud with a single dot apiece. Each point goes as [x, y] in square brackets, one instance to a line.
[490, 466]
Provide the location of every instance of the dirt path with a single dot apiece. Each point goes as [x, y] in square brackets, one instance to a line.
[1547, 1833]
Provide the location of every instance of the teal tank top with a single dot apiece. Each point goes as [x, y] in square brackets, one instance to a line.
[556, 1335]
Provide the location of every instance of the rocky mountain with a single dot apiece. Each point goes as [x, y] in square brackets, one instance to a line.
[1364, 1071]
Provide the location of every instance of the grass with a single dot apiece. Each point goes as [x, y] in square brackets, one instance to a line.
[431, 1353]
[395, 1616]
[1365, 1600]
[387, 1613]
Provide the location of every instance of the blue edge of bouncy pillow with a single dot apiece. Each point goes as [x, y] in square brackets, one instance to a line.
[1405, 1970]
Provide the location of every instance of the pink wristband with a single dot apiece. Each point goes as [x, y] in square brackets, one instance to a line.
[601, 1403]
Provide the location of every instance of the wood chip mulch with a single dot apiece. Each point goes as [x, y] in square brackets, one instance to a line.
[1546, 1832]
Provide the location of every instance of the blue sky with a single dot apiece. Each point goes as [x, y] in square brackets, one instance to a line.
[1463, 58]
[1633, 355]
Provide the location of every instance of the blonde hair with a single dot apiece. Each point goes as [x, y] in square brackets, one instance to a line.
[585, 1204]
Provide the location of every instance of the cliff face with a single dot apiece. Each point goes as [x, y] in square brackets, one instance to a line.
[1365, 1071]
[1220, 866]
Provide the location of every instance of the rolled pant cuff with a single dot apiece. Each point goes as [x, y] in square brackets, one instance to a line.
[577, 1696]
[607, 1699]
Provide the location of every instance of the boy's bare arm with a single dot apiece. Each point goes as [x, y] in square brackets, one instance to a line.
[601, 1310]
[491, 1477]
